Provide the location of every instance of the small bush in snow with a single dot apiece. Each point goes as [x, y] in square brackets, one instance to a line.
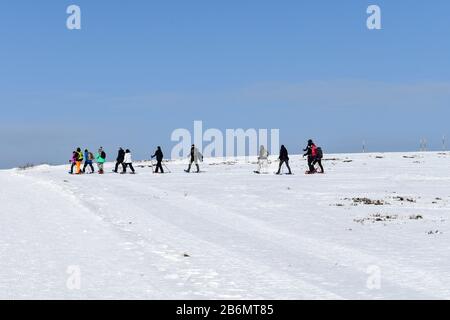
[26, 166]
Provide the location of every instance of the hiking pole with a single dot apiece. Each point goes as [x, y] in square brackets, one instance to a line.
[151, 165]
[168, 170]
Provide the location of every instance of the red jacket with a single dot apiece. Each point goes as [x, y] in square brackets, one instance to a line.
[313, 150]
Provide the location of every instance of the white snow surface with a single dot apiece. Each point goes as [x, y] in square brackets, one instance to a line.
[228, 233]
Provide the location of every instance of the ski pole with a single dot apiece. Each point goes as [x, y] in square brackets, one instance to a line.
[151, 165]
[167, 168]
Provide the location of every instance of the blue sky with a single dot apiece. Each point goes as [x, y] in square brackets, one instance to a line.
[140, 69]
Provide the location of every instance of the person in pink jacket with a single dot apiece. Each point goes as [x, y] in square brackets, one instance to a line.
[73, 161]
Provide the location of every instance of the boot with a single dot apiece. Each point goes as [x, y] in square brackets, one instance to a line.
[188, 169]
[279, 169]
[198, 168]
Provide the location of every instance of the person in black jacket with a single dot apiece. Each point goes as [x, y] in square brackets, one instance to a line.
[195, 156]
[159, 158]
[284, 158]
[310, 148]
[119, 160]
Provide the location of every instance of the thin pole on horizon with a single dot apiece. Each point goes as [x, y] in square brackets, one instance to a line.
[423, 145]
[444, 148]
[364, 146]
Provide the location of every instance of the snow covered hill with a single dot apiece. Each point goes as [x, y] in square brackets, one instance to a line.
[374, 226]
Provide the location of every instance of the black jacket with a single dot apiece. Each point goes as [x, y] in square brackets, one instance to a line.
[121, 155]
[283, 154]
[159, 155]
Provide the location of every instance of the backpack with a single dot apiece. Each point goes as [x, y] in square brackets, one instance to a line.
[103, 155]
[90, 156]
[313, 150]
[319, 153]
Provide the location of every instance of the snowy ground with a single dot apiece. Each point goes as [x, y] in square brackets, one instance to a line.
[230, 234]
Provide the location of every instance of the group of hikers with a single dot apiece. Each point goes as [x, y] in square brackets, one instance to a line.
[78, 157]
[313, 153]
[123, 159]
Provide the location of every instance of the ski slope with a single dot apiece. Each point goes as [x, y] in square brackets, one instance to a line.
[228, 233]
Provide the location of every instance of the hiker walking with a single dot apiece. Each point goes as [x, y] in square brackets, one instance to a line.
[159, 158]
[318, 159]
[127, 162]
[79, 160]
[119, 160]
[263, 161]
[314, 155]
[284, 158]
[73, 161]
[310, 153]
[194, 157]
[101, 159]
[88, 159]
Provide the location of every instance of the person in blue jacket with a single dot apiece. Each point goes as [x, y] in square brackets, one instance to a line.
[88, 160]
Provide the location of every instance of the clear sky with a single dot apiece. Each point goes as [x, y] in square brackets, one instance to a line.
[139, 69]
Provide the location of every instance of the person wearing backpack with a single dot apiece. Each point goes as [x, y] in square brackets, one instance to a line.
[73, 161]
[119, 160]
[159, 158]
[284, 158]
[89, 158]
[318, 159]
[127, 162]
[79, 160]
[101, 159]
[312, 152]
